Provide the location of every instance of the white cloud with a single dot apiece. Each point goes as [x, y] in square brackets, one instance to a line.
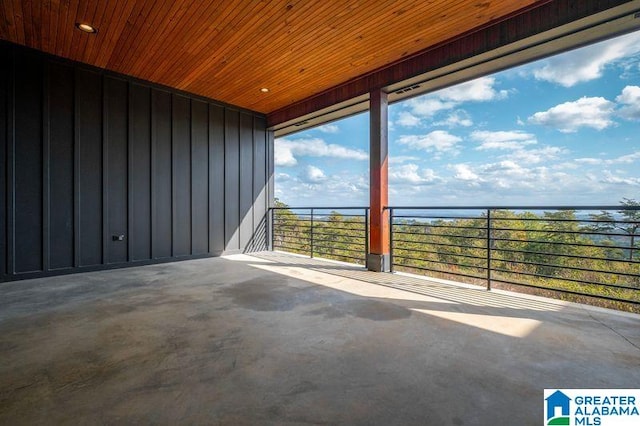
[535, 156]
[623, 159]
[617, 180]
[587, 63]
[509, 166]
[285, 151]
[568, 117]
[457, 118]
[311, 188]
[630, 103]
[479, 90]
[406, 119]
[502, 140]
[329, 128]
[409, 173]
[313, 174]
[399, 159]
[438, 141]
[283, 154]
[464, 172]
[429, 105]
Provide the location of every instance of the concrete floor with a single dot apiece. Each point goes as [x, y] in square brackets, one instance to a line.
[278, 339]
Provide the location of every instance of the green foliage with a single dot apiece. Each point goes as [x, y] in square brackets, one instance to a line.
[554, 253]
[630, 224]
[327, 234]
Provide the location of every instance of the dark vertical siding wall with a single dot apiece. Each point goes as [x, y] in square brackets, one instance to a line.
[61, 166]
[4, 84]
[217, 239]
[115, 177]
[181, 176]
[89, 166]
[232, 180]
[199, 177]
[140, 172]
[27, 155]
[162, 220]
[88, 156]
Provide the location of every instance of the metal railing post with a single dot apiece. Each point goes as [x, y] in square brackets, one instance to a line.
[489, 243]
[271, 237]
[311, 233]
[391, 240]
[366, 234]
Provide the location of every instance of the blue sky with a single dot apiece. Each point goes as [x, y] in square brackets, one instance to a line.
[563, 130]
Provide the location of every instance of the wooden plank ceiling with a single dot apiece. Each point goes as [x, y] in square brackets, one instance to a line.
[229, 50]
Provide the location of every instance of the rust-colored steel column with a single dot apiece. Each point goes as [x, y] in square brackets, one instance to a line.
[378, 257]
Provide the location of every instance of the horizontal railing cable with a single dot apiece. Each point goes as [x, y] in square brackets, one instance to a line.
[579, 252]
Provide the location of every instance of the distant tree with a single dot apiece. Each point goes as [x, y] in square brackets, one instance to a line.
[629, 225]
[279, 204]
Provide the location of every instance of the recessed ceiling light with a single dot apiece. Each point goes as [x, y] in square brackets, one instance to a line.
[264, 90]
[86, 28]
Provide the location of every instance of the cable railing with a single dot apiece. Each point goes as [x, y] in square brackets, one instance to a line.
[338, 233]
[583, 254]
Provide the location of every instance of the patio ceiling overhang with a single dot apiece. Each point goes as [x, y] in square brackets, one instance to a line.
[314, 57]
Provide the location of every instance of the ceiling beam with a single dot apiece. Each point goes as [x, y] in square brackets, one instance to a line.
[542, 16]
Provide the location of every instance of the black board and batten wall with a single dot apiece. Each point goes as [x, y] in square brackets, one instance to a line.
[101, 170]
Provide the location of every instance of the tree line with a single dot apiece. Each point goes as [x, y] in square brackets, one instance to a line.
[593, 259]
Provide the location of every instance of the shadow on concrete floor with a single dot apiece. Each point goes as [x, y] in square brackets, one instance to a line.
[279, 339]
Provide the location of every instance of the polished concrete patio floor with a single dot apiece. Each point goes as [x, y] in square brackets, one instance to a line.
[280, 339]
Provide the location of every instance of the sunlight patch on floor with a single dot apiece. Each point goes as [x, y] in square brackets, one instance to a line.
[358, 288]
[509, 326]
[244, 258]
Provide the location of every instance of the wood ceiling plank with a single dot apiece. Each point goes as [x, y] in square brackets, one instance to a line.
[113, 31]
[69, 30]
[218, 68]
[178, 28]
[103, 24]
[52, 18]
[61, 15]
[8, 31]
[224, 40]
[45, 25]
[229, 49]
[88, 39]
[287, 41]
[204, 62]
[128, 34]
[18, 20]
[98, 21]
[281, 63]
[36, 22]
[78, 37]
[153, 29]
[325, 53]
[216, 23]
[315, 80]
[346, 70]
[165, 18]
[30, 34]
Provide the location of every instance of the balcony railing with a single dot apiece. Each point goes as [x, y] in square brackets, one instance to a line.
[583, 254]
[339, 233]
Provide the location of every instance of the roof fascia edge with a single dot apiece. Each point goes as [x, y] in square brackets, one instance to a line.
[532, 28]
